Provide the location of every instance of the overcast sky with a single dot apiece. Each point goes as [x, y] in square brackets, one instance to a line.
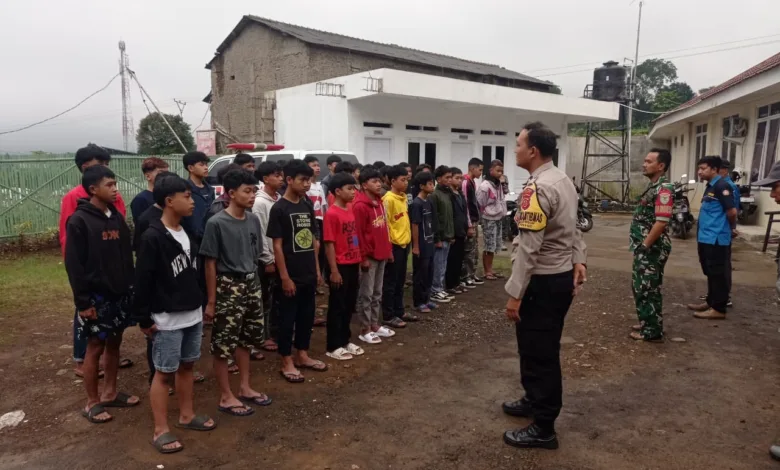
[56, 53]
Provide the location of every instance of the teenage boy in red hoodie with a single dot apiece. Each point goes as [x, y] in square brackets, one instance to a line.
[376, 251]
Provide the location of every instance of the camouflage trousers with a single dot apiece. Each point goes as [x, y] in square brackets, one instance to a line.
[238, 319]
[647, 278]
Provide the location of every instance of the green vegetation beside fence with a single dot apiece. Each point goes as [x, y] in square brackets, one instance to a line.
[31, 189]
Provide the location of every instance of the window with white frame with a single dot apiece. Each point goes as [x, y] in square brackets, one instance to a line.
[701, 142]
[767, 134]
[728, 148]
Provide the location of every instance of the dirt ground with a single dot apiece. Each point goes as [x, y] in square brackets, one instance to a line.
[430, 397]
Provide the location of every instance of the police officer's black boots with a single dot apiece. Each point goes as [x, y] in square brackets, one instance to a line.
[521, 407]
[531, 436]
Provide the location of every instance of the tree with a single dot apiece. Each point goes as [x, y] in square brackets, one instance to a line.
[671, 96]
[705, 89]
[652, 76]
[154, 137]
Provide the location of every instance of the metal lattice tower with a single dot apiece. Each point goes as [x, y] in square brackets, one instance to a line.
[127, 117]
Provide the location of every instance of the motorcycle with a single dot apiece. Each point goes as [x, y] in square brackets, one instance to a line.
[682, 219]
[510, 227]
[584, 216]
[747, 202]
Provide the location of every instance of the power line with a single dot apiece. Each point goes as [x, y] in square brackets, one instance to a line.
[658, 53]
[203, 118]
[64, 112]
[673, 57]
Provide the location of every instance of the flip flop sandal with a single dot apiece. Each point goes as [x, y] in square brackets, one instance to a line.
[230, 410]
[640, 337]
[270, 348]
[121, 401]
[101, 373]
[292, 377]
[636, 327]
[256, 355]
[408, 317]
[395, 323]
[232, 367]
[199, 378]
[198, 423]
[491, 277]
[260, 400]
[94, 411]
[318, 366]
[163, 440]
[499, 276]
[126, 363]
[370, 338]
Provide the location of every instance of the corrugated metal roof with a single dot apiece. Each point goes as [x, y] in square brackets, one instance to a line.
[325, 39]
[764, 66]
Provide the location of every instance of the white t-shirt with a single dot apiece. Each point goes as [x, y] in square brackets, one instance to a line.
[177, 321]
[318, 199]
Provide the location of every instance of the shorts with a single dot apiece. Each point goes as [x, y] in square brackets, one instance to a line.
[172, 347]
[238, 320]
[492, 235]
[112, 319]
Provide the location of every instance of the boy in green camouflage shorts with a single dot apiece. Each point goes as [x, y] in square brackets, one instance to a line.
[231, 245]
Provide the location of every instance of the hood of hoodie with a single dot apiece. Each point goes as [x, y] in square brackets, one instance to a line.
[399, 197]
[264, 195]
[362, 198]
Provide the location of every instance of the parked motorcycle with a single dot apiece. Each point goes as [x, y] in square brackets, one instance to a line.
[682, 219]
[584, 216]
[747, 202]
[510, 229]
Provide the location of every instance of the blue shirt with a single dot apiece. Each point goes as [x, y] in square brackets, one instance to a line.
[734, 191]
[714, 227]
[143, 201]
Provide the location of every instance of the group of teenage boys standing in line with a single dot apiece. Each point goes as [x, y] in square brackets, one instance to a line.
[249, 264]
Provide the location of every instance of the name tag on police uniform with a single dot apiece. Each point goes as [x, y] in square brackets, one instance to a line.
[530, 215]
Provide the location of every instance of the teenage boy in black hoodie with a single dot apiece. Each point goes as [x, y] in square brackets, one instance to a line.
[168, 304]
[461, 225]
[99, 263]
[232, 245]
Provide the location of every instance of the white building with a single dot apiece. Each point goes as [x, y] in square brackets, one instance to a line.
[738, 120]
[397, 116]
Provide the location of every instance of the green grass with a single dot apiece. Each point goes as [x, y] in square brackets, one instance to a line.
[32, 281]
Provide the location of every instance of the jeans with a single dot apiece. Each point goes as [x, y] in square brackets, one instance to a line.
[341, 304]
[440, 267]
[393, 288]
[455, 263]
[715, 262]
[542, 312]
[296, 317]
[172, 347]
[369, 304]
[423, 276]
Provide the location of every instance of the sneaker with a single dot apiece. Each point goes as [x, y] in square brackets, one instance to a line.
[703, 298]
[469, 284]
[477, 281]
[423, 308]
[432, 305]
[453, 292]
[340, 354]
[440, 297]
[729, 303]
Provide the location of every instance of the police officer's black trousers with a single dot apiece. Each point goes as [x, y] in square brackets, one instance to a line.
[716, 265]
[542, 312]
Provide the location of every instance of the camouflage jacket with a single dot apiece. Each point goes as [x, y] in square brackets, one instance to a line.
[655, 204]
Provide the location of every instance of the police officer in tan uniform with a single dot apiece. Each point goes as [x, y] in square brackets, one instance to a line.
[548, 268]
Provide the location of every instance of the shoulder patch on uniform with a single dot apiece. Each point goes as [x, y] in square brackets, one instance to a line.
[530, 216]
[664, 195]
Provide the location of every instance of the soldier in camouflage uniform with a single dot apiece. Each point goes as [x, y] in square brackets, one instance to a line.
[651, 246]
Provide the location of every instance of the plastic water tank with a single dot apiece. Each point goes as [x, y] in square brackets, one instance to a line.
[610, 82]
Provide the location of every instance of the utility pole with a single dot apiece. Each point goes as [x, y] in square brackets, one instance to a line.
[632, 94]
[180, 105]
[143, 92]
[127, 118]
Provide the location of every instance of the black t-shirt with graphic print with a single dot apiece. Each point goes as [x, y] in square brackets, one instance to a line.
[294, 224]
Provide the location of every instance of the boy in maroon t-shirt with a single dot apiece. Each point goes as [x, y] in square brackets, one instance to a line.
[343, 253]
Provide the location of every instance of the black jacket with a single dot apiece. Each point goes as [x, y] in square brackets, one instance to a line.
[98, 255]
[167, 279]
[142, 223]
[471, 200]
[195, 225]
[459, 214]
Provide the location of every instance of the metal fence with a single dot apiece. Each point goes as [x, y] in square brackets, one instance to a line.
[31, 189]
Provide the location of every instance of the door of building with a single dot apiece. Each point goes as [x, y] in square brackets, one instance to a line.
[377, 150]
[419, 151]
[461, 153]
[492, 152]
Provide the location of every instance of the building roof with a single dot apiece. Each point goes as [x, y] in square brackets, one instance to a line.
[325, 39]
[758, 69]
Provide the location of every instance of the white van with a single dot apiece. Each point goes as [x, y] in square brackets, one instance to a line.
[281, 156]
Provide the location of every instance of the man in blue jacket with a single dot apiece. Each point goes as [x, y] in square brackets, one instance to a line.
[197, 165]
[717, 223]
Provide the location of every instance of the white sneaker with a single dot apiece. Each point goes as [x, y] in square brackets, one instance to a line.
[440, 297]
[370, 338]
[469, 284]
[384, 332]
[355, 350]
[340, 354]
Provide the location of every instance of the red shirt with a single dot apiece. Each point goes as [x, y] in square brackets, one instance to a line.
[339, 228]
[68, 207]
